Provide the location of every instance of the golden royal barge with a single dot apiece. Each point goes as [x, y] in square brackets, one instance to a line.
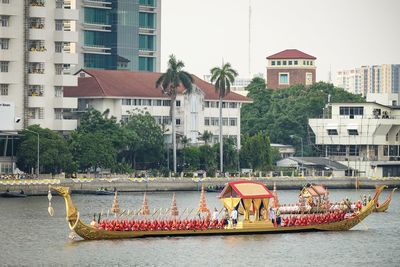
[246, 196]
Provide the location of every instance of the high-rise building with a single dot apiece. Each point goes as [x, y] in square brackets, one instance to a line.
[120, 34]
[290, 67]
[37, 52]
[350, 80]
[379, 83]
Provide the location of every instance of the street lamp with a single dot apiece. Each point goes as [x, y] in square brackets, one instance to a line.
[302, 150]
[38, 151]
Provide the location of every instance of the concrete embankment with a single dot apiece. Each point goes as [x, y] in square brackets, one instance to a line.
[186, 184]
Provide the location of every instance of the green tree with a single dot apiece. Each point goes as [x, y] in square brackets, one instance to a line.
[169, 83]
[285, 112]
[54, 154]
[144, 140]
[97, 140]
[222, 78]
[256, 152]
[206, 136]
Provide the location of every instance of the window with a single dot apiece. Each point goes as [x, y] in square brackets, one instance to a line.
[36, 45]
[36, 113]
[278, 63]
[273, 62]
[225, 121]
[387, 137]
[178, 121]
[214, 121]
[148, 3]
[311, 63]
[352, 131]
[58, 91]
[206, 121]
[284, 62]
[166, 120]
[354, 150]
[5, 21]
[397, 137]
[309, 78]
[233, 105]
[36, 23]
[166, 103]
[178, 103]
[296, 62]
[126, 102]
[351, 111]
[290, 62]
[283, 78]
[38, 3]
[146, 63]
[59, 47]
[36, 68]
[232, 121]
[304, 62]
[58, 113]
[4, 66]
[224, 105]
[5, 1]
[62, 69]
[157, 102]
[147, 42]
[147, 20]
[207, 104]
[3, 89]
[35, 90]
[332, 132]
[4, 43]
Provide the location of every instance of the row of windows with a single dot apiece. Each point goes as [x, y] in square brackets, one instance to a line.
[352, 111]
[148, 102]
[391, 151]
[349, 132]
[215, 104]
[214, 121]
[290, 62]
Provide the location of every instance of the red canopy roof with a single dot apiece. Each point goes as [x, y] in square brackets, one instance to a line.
[291, 54]
[245, 189]
[118, 83]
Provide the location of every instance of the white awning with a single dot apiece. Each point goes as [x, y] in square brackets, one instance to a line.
[352, 127]
[332, 127]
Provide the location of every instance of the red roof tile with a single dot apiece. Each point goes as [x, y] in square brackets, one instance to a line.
[291, 54]
[117, 83]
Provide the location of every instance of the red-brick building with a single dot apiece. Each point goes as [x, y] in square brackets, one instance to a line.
[290, 67]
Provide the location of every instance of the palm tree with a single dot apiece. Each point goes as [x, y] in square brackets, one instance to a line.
[206, 136]
[169, 83]
[222, 78]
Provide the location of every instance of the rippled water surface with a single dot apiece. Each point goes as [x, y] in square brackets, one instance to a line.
[29, 237]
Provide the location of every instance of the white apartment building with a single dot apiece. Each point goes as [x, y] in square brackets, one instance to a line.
[37, 50]
[350, 80]
[379, 83]
[362, 136]
[122, 92]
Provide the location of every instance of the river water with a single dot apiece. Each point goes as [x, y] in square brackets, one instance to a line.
[29, 237]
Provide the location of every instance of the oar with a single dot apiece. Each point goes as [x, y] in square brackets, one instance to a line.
[189, 214]
[182, 213]
[156, 210]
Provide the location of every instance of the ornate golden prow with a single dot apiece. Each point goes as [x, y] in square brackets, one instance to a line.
[71, 211]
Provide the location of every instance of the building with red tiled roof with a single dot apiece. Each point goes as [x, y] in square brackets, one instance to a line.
[122, 92]
[290, 67]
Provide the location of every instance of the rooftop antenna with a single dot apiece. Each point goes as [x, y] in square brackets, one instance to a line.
[249, 38]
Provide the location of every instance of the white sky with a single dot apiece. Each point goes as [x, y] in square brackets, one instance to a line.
[340, 33]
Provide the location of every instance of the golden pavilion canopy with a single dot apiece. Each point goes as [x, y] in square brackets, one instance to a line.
[246, 196]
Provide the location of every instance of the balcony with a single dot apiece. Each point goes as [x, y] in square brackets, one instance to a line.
[97, 27]
[96, 50]
[65, 125]
[9, 9]
[66, 102]
[66, 36]
[37, 101]
[8, 32]
[7, 55]
[10, 77]
[66, 14]
[37, 34]
[66, 58]
[39, 56]
[37, 11]
[36, 78]
[65, 80]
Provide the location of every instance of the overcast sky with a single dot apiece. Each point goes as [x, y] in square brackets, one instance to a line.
[340, 33]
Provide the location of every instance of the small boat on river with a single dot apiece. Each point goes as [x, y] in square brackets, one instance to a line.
[9, 194]
[251, 199]
[385, 205]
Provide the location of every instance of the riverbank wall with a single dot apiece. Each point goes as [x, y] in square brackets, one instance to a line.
[88, 186]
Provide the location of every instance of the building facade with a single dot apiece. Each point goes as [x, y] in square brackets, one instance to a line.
[379, 83]
[38, 43]
[122, 92]
[120, 34]
[362, 136]
[290, 67]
